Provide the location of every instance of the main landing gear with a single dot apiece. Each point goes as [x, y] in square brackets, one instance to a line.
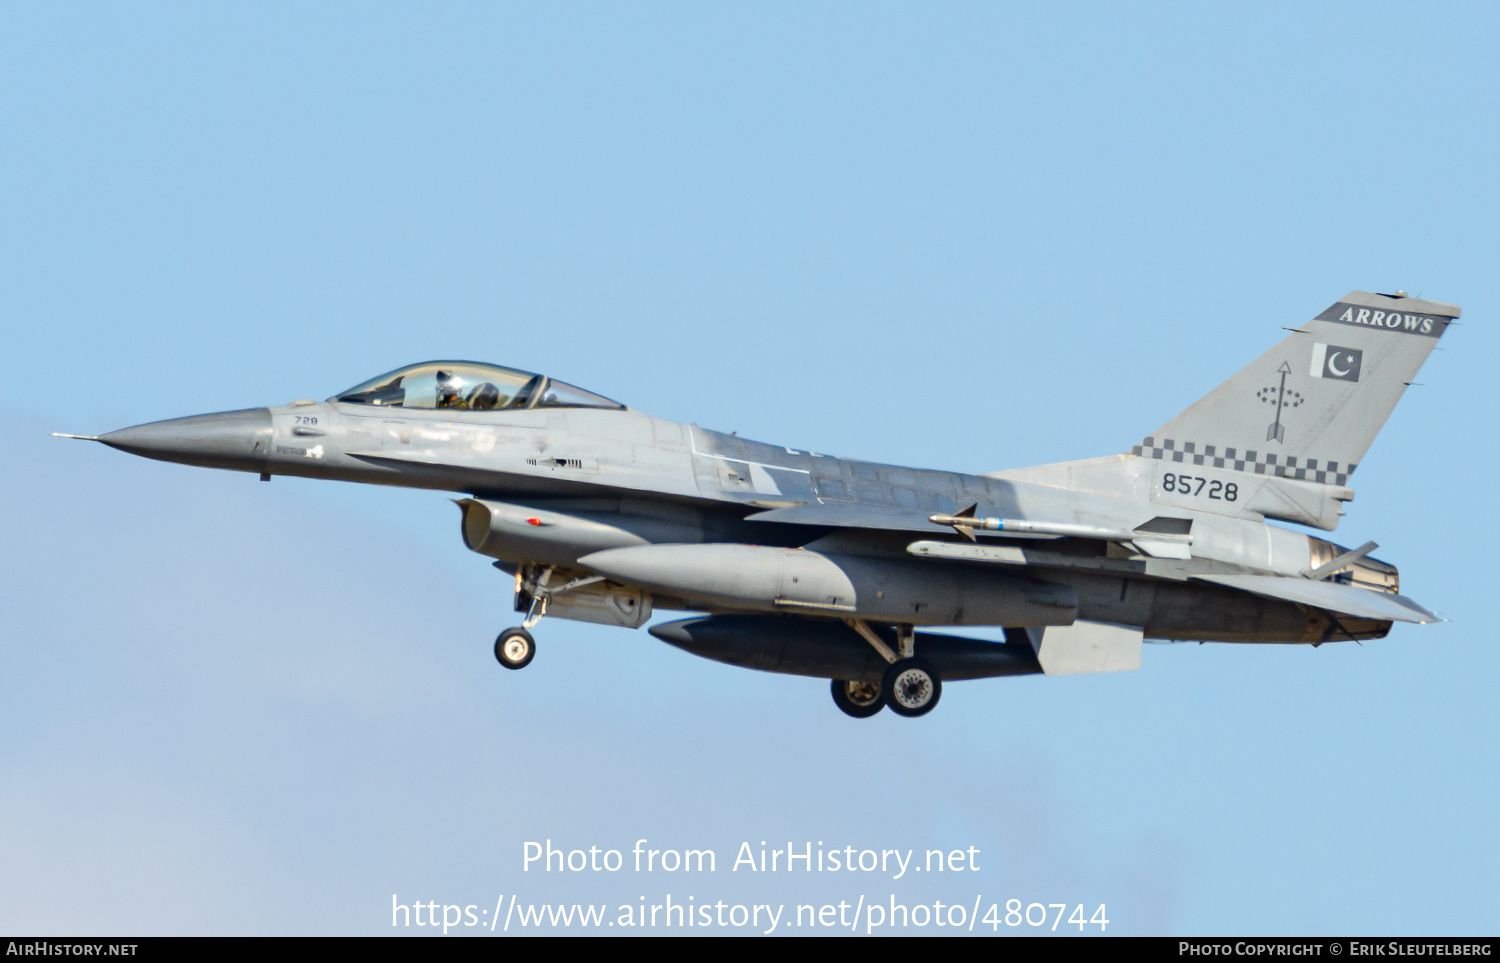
[858, 699]
[910, 686]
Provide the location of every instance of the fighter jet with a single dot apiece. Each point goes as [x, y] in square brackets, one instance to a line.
[800, 562]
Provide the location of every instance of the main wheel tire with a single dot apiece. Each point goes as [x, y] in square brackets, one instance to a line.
[858, 699]
[912, 687]
[515, 648]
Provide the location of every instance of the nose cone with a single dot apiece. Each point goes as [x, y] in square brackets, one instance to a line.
[229, 439]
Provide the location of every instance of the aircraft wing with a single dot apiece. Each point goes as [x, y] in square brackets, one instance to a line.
[1333, 596]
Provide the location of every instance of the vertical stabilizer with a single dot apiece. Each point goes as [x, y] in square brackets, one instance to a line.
[1310, 407]
[1281, 438]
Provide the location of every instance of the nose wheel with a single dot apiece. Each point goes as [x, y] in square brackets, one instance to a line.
[515, 648]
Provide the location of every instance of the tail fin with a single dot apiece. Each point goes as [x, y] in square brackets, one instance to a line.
[1281, 438]
[1310, 407]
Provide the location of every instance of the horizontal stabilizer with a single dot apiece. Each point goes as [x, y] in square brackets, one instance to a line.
[1331, 596]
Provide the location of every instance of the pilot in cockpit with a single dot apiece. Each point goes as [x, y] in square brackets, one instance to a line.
[470, 386]
[481, 397]
[447, 391]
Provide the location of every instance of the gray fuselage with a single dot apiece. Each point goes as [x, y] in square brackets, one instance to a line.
[857, 527]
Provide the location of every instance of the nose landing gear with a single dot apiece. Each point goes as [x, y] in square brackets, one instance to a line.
[515, 648]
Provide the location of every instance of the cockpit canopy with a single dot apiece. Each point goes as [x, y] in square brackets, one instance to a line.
[469, 386]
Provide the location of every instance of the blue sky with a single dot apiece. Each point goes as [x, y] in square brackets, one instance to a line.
[968, 237]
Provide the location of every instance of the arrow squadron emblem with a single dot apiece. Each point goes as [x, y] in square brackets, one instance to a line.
[1281, 398]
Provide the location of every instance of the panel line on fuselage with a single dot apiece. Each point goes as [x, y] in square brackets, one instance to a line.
[693, 446]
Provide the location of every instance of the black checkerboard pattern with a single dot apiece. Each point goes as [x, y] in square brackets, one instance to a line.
[1258, 462]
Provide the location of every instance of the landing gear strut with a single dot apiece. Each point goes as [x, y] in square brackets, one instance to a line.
[515, 647]
[910, 686]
